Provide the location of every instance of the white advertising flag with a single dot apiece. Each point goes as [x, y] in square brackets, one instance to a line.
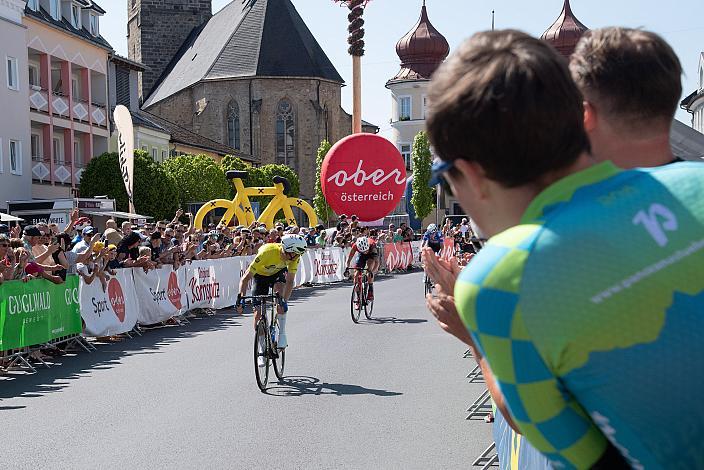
[125, 142]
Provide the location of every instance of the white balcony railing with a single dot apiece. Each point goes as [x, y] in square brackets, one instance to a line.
[38, 99]
[80, 110]
[99, 114]
[59, 104]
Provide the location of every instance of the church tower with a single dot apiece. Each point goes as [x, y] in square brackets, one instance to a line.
[565, 32]
[421, 51]
[156, 29]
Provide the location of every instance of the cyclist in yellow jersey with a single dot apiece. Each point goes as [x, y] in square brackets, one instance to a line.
[275, 264]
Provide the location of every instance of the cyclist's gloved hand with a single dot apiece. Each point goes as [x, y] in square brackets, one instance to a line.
[240, 300]
[284, 305]
[347, 272]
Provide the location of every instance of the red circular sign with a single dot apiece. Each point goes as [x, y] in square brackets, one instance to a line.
[117, 299]
[364, 175]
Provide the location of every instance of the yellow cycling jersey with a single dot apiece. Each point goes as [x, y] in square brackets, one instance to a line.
[268, 261]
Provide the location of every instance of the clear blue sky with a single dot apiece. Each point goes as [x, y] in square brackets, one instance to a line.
[679, 21]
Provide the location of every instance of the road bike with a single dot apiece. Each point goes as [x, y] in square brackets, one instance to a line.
[360, 295]
[428, 283]
[241, 208]
[265, 338]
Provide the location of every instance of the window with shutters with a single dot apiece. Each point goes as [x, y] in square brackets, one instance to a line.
[122, 86]
[285, 134]
[15, 157]
[233, 125]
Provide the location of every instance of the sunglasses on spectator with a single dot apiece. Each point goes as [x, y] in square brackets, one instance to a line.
[4, 245]
[437, 174]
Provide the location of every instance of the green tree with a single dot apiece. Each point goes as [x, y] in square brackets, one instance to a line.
[422, 198]
[155, 193]
[198, 178]
[319, 203]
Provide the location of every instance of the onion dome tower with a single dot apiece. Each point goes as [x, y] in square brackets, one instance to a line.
[421, 50]
[565, 32]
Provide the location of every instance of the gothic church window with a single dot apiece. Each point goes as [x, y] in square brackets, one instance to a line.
[285, 134]
[233, 125]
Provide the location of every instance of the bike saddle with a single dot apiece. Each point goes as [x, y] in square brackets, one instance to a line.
[281, 180]
[232, 174]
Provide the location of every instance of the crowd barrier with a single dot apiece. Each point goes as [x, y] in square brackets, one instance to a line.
[399, 256]
[36, 312]
[448, 249]
[404, 255]
[514, 451]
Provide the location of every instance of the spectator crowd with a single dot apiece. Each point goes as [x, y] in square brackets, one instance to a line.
[42, 251]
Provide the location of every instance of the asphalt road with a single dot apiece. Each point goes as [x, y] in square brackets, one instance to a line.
[389, 393]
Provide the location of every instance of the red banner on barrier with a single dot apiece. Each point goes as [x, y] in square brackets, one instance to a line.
[448, 249]
[398, 256]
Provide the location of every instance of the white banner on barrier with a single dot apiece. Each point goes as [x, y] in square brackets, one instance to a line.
[160, 294]
[321, 266]
[415, 248]
[214, 283]
[112, 311]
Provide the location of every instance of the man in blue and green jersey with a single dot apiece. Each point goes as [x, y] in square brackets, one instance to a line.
[586, 306]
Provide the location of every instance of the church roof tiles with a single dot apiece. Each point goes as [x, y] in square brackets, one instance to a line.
[246, 38]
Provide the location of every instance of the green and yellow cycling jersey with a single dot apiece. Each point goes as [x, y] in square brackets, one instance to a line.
[590, 314]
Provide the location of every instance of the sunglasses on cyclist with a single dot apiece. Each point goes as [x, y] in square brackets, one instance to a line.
[437, 174]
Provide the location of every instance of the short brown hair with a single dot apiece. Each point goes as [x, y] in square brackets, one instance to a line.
[628, 73]
[506, 101]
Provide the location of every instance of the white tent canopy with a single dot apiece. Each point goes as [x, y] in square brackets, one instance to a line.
[117, 214]
[9, 218]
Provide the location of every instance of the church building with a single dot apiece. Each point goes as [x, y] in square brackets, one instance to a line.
[252, 77]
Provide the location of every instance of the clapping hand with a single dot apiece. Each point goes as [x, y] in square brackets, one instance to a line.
[444, 274]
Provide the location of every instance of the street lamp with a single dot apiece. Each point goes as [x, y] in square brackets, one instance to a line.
[356, 50]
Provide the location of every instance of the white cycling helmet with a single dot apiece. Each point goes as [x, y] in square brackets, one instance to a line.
[294, 244]
[432, 228]
[362, 244]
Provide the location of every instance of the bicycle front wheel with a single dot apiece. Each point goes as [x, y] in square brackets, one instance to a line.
[356, 303]
[368, 304]
[261, 356]
[279, 357]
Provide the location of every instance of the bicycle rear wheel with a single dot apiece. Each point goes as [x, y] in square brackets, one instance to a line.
[368, 304]
[261, 346]
[428, 285]
[279, 356]
[356, 303]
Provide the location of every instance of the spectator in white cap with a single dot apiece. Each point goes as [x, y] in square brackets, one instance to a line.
[84, 244]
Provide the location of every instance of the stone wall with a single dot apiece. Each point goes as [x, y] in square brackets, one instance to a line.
[310, 99]
[156, 29]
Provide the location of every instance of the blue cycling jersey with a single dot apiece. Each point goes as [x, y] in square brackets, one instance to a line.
[433, 237]
[590, 314]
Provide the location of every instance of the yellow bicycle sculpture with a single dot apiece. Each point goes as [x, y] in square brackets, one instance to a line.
[241, 208]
